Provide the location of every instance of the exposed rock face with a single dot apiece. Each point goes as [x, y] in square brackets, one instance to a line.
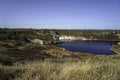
[118, 35]
[37, 41]
[118, 43]
[81, 38]
[55, 35]
[71, 38]
[66, 38]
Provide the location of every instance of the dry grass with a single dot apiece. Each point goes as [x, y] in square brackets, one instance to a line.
[74, 70]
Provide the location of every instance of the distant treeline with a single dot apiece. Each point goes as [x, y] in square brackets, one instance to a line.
[45, 34]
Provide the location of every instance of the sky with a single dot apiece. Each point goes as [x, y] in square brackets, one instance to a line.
[60, 14]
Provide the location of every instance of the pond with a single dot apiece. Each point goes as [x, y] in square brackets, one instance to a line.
[92, 47]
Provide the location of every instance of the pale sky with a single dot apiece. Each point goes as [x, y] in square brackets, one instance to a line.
[60, 14]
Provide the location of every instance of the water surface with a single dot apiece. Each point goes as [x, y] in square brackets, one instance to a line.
[93, 47]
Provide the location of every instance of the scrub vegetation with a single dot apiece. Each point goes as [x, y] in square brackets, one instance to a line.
[22, 60]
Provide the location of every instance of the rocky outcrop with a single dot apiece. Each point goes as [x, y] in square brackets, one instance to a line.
[37, 41]
[66, 38]
[72, 38]
[118, 43]
[81, 38]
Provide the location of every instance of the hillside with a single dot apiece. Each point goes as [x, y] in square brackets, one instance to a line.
[47, 35]
[21, 59]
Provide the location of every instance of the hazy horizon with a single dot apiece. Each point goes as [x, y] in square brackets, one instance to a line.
[54, 26]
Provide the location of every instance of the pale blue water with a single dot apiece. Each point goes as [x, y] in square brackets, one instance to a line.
[93, 47]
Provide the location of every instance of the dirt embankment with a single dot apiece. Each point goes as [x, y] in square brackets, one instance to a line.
[116, 48]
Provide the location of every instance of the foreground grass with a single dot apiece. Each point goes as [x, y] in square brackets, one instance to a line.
[67, 70]
[72, 70]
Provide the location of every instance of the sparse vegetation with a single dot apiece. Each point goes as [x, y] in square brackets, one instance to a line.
[47, 62]
[67, 70]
